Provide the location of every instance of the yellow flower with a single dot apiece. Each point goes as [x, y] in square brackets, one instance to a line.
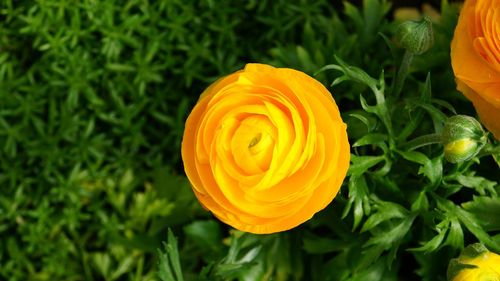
[265, 148]
[475, 263]
[475, 58]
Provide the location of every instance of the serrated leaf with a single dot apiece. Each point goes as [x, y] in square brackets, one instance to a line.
[478, 183]
[384, 211]
[469, 221]
[387, 240]
[361, 164]
[394, 236]
[438, 117]
[357, 74]
[433, 170]
[358, 198]
[487, 210]
[433, 244]
[473, 225]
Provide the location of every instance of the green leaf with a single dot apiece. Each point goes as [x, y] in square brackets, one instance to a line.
[125, 265]
[357, 74]
[368, 20]
[486, 210]
[353, 13]
[393, 236]
[432, 169]
[244, 257]
[120, 67]
[436, 241]
[496, 157]
[169, 263]
[374, 272]
[358, 196]
[384, 211]
[374, 12]
[415, 156]
[473, 225]
[478, 183]
[389, 239]
[102, 262]
[362, 116]
[373, 138]
[421, 203]
[438, 117]
[469, 221]
[361, 164]
[432, 244]
[455, 236]
[206, 234]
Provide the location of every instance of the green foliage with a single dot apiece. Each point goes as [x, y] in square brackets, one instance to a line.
[169, 263]
[399, 184]
[93, 98]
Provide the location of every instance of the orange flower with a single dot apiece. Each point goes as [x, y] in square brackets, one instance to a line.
[475, 58]
[265, 148]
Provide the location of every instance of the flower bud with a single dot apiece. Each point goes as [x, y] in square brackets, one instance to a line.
[416, 36]
[462, 137]
[474, 263]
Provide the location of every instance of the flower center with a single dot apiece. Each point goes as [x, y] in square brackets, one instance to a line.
[254, 141]
[252, 144]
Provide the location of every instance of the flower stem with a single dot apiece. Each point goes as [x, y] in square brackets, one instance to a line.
[402, 73]
[422, 141]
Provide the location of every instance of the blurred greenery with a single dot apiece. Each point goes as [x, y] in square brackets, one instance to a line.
[93, 98]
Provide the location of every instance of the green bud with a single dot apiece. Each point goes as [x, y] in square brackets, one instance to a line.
[462, 137]
[416, 36]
